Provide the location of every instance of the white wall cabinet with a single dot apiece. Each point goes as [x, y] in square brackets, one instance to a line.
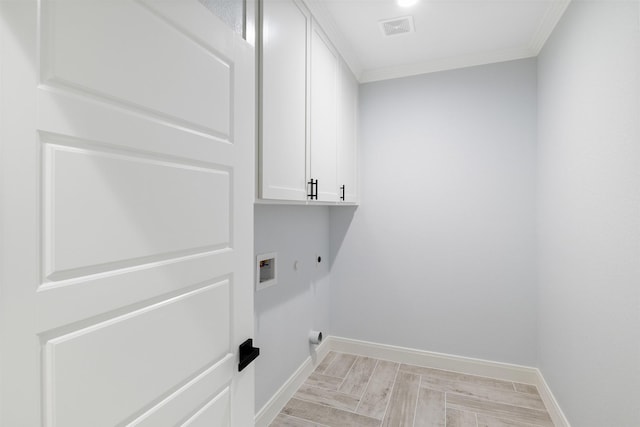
[307, 123]
[283, 110]
[347, 160]
[323, 115]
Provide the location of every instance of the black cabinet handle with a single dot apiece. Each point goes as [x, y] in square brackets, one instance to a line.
[342, 189]
[248, 354]
[313, 187]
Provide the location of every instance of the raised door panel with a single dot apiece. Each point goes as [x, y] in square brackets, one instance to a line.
[347, 134]
[323, 114]
[284, 100]
[157, 345]
[107, 209]
[79, 39]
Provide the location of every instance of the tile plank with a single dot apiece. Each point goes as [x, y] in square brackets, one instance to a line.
[340, 365]
[358, 377]
[376, 396]
[487, 421]
[510, 397]
[322, 366]
[456, 376]
[402, 404]
[326, 415]
[526, 388]
[430, 410]
[327, 397]
[457, 418]
[323, 381]
[498, 410]
[283, 420]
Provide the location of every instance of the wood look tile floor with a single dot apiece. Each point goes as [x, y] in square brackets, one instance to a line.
[348, 390]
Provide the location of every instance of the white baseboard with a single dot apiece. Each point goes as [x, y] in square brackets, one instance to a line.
[550, 402]
[272, 408]
[466, 365]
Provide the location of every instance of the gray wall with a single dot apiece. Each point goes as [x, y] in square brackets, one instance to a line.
[589, 201]
[299, 302]
[440, 256]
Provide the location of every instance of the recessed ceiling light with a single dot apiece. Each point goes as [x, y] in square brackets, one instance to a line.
[406, 3]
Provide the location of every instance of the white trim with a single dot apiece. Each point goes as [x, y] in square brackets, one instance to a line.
[302, 202]
[548, 24]
[272, 408]
[466, 365]
[445, 64]
[550, 402]
[328, 25]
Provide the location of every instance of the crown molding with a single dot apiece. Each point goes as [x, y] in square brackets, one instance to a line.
[324, 18]
[548, 24]
[445, 64]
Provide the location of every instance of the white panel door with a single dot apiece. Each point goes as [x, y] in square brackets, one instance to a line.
[347, 134]
[324, 74]
[285, 25]
[126, 211]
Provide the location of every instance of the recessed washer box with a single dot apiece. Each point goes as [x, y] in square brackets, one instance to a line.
[266, 270]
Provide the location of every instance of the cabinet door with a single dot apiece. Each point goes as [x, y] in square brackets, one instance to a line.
[347, 133]
[284, 100]
[324, 69]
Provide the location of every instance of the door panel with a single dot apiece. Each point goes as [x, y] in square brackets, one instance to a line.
[79, 40]
[120, 209]
[127, 225]
[103, 373]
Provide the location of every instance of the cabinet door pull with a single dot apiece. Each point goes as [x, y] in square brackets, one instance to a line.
[313, 188]
[342, 189]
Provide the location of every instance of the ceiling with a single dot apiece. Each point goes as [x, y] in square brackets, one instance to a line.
[448, 33]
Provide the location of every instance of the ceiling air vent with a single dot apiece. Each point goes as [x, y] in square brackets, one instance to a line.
[392, 27]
